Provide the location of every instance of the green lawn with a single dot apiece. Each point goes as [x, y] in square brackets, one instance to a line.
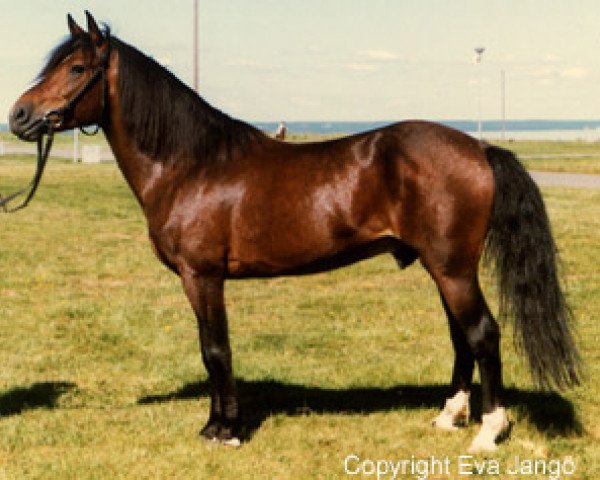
[101, 376]
[577, 157]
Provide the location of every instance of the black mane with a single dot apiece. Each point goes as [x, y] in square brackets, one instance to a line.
[167, 118]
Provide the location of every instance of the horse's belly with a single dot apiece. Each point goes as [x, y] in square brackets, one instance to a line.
[262, 265]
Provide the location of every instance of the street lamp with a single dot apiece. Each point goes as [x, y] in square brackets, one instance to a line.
[478, 54]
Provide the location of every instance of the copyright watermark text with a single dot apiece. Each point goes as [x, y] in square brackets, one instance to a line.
[424, 468]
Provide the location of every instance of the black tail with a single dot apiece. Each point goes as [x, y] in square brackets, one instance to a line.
[521, 245]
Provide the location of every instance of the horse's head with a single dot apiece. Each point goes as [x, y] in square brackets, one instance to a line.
[71, 88]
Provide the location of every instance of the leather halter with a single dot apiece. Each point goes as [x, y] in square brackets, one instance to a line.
[52, 120]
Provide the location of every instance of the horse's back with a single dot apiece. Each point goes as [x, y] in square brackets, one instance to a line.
[335, 202]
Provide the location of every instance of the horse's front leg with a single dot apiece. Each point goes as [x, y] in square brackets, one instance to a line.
[207, 299]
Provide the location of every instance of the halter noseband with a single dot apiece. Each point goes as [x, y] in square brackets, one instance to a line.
[55, 119]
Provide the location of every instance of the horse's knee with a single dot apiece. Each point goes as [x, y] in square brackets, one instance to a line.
[216, 357]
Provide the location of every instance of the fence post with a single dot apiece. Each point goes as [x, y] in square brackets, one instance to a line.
[75, 145]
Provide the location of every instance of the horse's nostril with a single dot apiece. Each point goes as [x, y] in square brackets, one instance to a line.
[20, 117]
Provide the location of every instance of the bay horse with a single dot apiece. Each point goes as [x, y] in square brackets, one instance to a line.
[224, 201]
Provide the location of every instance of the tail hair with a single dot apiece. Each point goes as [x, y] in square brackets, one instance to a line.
[521, 247]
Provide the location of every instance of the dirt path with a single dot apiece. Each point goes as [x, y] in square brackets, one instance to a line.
[556, 179]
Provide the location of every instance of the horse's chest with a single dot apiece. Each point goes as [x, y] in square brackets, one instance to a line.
[160, 249]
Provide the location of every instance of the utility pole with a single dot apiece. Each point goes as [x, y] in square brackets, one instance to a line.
[503, 99]
[196, 45]
[478, 54]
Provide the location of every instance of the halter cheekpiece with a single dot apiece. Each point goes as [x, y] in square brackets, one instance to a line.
[54, 119]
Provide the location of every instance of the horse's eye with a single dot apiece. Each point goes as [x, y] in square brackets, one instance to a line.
[77, 69]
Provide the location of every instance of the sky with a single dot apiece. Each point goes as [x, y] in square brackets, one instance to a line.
[337, 60]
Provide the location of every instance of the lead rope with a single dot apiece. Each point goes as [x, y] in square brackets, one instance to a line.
[43, 152]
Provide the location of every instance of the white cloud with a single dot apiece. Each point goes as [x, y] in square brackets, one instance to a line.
[547, 73]
[304, 102]
[249, 64]
[314, 49]
[379, 54]
[362, 67]
[542, 72]
[398, 102]
[574, 73]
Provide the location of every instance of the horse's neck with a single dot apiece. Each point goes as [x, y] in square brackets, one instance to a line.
[144, 174]
[152, 177]
[142, 171]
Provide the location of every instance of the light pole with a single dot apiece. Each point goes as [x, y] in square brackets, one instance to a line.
[478, 54]
[196, 45]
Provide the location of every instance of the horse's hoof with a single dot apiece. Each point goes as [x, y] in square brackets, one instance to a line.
[495, 426]
[232, 442]
[216, 432]
[455, 413]
[444, 422]
[210, 432]
[228, 442]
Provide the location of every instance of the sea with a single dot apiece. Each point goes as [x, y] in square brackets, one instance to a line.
[565, 130]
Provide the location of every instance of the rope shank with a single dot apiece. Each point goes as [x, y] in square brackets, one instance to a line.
[43, 152]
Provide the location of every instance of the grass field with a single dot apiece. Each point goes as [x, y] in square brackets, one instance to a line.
[101, 376]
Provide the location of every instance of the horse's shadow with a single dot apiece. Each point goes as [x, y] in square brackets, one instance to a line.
[259, 399]
[551, 413]
[39, 395]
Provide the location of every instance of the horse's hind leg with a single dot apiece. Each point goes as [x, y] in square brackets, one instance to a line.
[456, 411]
[474, 328]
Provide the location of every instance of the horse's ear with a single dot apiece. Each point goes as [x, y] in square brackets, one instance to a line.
[93, 30]
[75, 29]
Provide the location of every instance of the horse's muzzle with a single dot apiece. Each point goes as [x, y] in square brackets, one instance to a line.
[25, 123]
